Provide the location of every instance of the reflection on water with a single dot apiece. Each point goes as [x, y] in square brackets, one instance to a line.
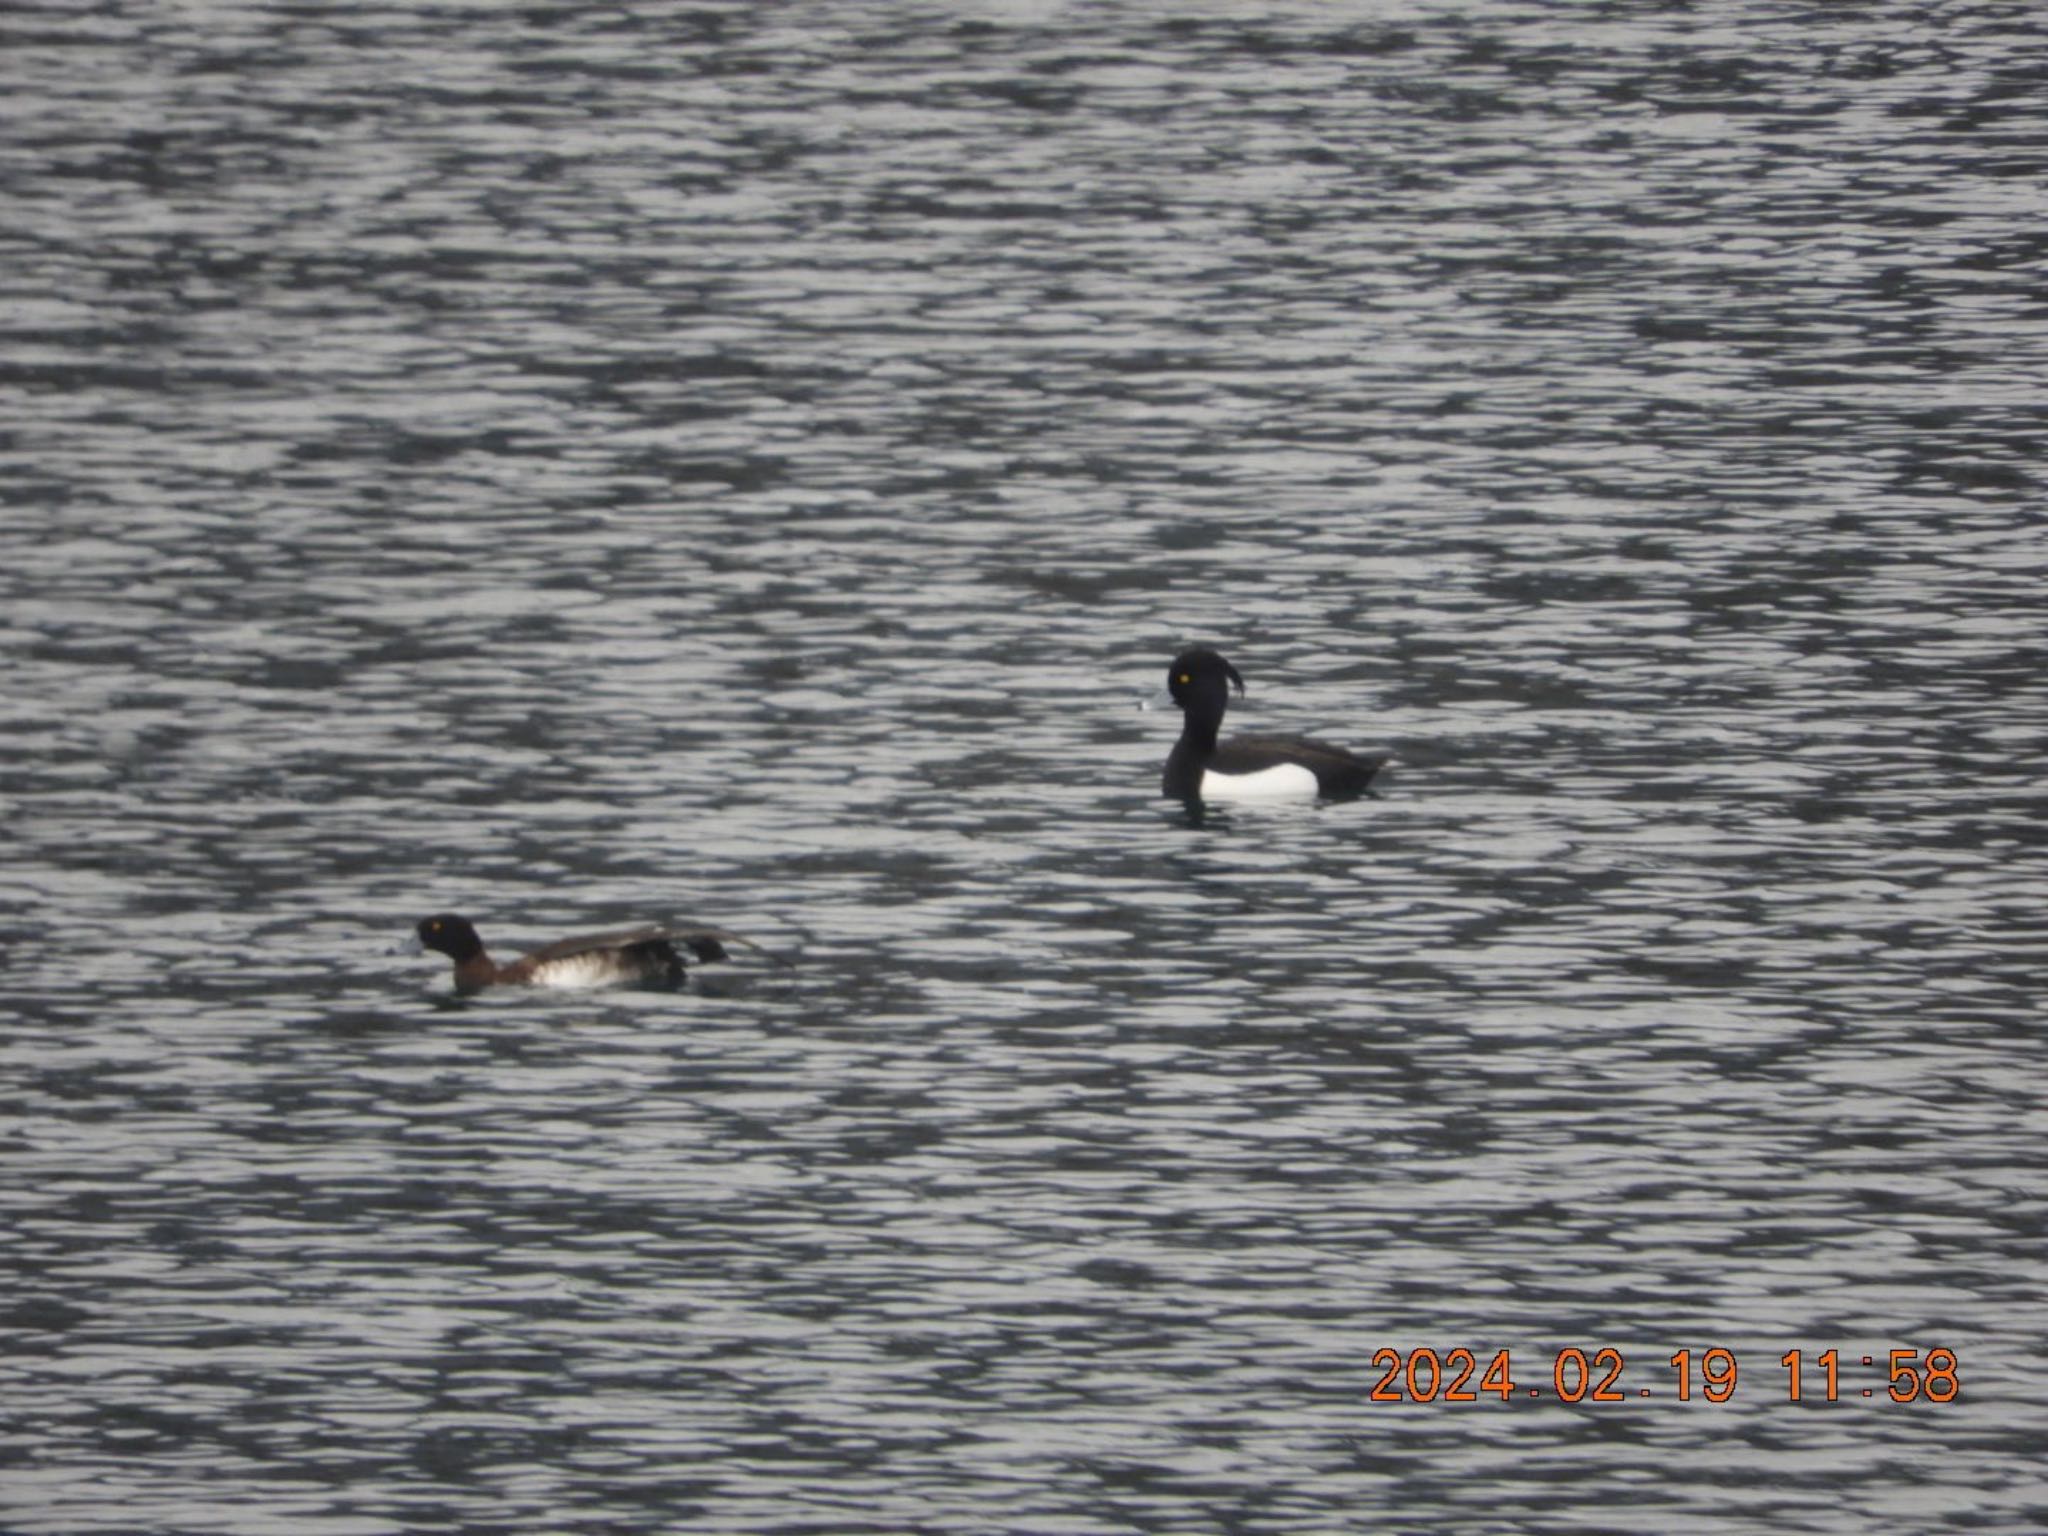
[583, 468]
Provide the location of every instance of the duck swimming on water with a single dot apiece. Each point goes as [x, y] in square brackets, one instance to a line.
[1246, 767]
[645, 957]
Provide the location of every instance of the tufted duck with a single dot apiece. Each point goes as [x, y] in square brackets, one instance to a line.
[1245, 767]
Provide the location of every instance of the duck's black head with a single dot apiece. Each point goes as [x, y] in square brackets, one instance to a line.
[451, 935]
[1199, 676]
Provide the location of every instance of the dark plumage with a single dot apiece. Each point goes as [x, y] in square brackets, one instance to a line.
[1245, 767]
[632, 957]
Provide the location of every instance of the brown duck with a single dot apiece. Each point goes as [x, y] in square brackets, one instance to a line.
[643, 957]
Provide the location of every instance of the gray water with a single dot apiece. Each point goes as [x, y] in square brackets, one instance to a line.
[745, 464]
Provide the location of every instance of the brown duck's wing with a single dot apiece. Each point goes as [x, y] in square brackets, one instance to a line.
[704, 943]
[709, 943]
[593, 943]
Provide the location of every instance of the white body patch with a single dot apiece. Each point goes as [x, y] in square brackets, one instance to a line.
[1283, 781]
[575, 972]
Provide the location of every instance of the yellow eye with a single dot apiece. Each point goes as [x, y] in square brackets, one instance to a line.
[1184, 677]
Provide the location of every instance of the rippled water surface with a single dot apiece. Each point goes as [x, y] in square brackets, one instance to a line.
[745, 464]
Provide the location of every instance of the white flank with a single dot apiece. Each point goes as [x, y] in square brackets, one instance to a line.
[577, 972]
[1284, 781]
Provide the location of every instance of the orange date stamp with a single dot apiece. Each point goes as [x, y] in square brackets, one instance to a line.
[1424, 1375]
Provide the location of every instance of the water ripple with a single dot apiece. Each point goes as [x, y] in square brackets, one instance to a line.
[587, 467]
